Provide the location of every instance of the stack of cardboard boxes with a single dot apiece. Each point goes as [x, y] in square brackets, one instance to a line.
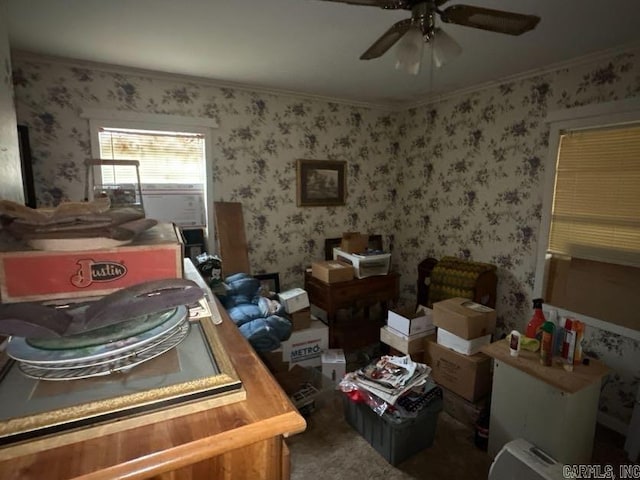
[296, 304]
[309, 338]
[406, 331]
[458, 365]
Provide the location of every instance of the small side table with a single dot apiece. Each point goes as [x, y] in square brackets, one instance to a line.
[550, 407]
[331, 297]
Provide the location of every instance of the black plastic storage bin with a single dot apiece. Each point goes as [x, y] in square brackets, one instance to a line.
[394, 439]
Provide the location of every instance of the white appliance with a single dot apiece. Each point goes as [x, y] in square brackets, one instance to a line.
[632, 444]
[365, 265]
[521, 460]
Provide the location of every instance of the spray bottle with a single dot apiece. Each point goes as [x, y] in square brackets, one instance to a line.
[534, 325]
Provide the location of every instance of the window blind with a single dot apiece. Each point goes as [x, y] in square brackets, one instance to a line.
[165, 157]
[596, 205]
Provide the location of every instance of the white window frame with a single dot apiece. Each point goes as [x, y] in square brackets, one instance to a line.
[587, 117]
[99, 118]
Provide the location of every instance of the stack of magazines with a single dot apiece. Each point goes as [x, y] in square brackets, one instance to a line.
[390, 377]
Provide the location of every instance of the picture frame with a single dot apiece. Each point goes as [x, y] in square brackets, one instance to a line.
[194, 376]
[269, 281]
[321, 183]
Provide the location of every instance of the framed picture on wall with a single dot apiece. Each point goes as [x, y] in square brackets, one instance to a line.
[321, 183]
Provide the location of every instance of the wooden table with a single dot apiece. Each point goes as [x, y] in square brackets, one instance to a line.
[243, 440]
[550, 407]
[365, 292]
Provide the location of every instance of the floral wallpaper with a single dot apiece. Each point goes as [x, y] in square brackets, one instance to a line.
[462, 176]
[470, 185]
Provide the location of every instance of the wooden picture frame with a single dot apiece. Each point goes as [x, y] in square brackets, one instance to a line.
[269, 281]
[195, 375]
[321, 183]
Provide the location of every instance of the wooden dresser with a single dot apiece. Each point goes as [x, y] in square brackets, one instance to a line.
[242, 440]
[363, 292]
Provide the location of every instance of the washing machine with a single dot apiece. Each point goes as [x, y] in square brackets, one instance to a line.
[521, 460]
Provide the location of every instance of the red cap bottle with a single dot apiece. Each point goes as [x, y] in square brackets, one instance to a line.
[534, 325]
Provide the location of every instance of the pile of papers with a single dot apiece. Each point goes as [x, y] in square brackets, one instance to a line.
[390, 377]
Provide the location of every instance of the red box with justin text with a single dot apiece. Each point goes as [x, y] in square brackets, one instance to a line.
[37, 275]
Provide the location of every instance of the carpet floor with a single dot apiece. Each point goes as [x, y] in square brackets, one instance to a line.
[331, 449]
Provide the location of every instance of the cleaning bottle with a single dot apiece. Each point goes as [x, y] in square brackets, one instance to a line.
[546, 344]
[556, 348]
[534, 325]
[578, 327]
[569, 341]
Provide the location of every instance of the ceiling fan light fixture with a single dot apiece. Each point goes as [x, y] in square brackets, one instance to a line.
[409, 51]
[444, 47]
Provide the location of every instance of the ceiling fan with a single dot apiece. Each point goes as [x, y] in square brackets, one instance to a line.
[422, 23]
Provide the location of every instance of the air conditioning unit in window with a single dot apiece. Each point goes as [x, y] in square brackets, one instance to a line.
[520, 460]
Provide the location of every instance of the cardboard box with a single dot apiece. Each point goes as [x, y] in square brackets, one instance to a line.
[464, 318]
[306, 387]
[354, 242]
[462, 345]
[274, 361]
[35, 275]
[409, 322]
[305, 347]
[407, 344]
[332, 271]
[294, 299]
[334, 365]
[301, 319]
[468, 376]
[462, 409]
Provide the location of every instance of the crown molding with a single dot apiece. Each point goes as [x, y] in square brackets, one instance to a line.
[554, 67]
[387, 107]
[125, 70]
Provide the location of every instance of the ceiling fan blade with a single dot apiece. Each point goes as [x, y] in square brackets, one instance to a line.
[386, 41]
[489, 19]
[371, 3]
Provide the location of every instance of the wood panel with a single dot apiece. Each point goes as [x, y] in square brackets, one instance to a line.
[266, 464]
[232, 241]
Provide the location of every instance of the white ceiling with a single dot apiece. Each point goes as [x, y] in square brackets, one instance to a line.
[311, 46]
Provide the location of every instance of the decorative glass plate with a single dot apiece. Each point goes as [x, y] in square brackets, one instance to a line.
[120, 365]
[20, 350]
[100, 336]
[111, 358]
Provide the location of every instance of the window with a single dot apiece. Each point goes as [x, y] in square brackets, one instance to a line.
[596, 204]
[590, 242]
[173, 154]
[165, 157]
